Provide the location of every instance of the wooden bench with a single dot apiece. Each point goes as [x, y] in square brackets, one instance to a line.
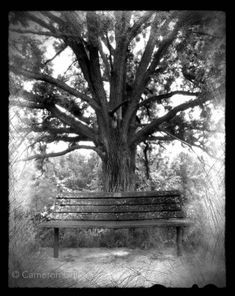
[118, 210]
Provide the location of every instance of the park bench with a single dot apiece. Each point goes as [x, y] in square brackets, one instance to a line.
[118, 210]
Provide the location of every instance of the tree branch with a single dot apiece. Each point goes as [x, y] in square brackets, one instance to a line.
[184, 19]
[158, 138]
[55, 154]
[143, 72]
[122, 24]
[163, 47]
[38, 102]
[54, 138]
[56, 82]
[146, 56]
[39, 21]
[117, 107]
[108, 44]
[68, 120]
[71, 107]
[154, 125]
[40, 33]
[161, 97]
[71, 18]
[22, 104]
[53, 17]
[77, 44]
[58, 53]
[47, 128]
[190, 144]
[118, 73]
[105, 39]
[95, 73]
[105, 60]
[175, 137]
[134, 30]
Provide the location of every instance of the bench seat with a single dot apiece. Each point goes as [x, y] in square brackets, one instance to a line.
[116, 224]
[118, 210]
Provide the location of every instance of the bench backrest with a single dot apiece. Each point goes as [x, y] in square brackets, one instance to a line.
[118, 206]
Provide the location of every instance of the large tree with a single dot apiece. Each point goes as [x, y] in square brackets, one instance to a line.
[120, 90]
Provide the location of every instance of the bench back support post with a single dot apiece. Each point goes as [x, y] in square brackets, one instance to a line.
[56, 242]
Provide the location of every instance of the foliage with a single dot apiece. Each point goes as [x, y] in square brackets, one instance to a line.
[74, 171]
[51, 111]
[119, 91]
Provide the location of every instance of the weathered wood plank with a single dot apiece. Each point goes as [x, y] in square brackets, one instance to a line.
[119, 201]
[131, 194]
[117, 216]
[117, 224]
[116, 208]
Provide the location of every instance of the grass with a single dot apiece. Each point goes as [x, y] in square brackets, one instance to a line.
[203, 261]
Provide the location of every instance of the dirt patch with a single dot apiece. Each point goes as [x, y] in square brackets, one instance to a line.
[122, 267]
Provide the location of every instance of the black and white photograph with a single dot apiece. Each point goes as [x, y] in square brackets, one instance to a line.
[116, 148]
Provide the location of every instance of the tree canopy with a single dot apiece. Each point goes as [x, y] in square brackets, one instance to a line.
[136, 77]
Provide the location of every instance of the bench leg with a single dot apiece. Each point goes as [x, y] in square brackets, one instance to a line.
[179, 238]
[56, 242]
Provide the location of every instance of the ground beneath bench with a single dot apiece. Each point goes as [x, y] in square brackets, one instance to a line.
[122, 267]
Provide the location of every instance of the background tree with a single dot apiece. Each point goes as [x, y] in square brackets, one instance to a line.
[115, 94]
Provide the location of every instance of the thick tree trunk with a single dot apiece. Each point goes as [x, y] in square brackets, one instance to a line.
[118, 168]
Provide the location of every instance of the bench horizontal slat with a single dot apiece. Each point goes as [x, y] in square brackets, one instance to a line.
[117, 216]
[119, 201]
[119, 194]
[116, 208]
[116, 224]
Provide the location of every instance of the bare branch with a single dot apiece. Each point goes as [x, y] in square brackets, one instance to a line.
[175, 137]
[56, 82]
[38, 102]
[161, 97]
[69, 67]
[53, 17]
[184, 19]
[41, 33]
[58, 53]
[40, 22]
[190, 145]
[71, 107]
[55, 154]
[77, 125]
[55, 34]
[22, 104]
[118, 73]
[105, 60]
[122, 24]
[163, 47]
[55, 138]
[117, 107]
[71, 18]
[134, 30]
[108, 44]
[158, 138]
[154, 125]
[146, 55]
[47, 128]
[95, 73]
